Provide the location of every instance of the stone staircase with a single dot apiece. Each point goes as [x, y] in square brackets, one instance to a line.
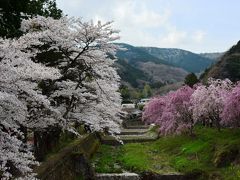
[133, 131]
[137, 132]
[136, 127]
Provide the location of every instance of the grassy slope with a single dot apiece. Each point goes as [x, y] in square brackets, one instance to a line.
[209, 152]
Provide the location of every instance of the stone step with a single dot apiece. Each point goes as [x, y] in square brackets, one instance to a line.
[129, 139]
[133, 131]
[146, 176]
[137, 127]
[134, 123]
[137, 138]
[121, 176]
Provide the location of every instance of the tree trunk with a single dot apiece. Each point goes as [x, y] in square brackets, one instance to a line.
[45, 142]
[24, 131]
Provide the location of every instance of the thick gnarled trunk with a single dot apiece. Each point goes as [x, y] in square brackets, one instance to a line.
[45, 142]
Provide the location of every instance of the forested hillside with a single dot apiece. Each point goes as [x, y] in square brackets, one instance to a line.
[227, 67]
[140, 65]
[130, 75]
[186, 60]
[213, 56]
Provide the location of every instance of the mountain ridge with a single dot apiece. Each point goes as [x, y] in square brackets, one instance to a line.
[187, 60]
[140, 65]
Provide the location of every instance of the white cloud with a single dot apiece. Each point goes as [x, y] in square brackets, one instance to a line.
[70, 7]
[143, 26]
[139, 23]
[174, 37]
[138, 15]
[198, 36]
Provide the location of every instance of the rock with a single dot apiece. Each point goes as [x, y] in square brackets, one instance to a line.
[117, 166]
[154, 176]
[158, 166]
[121, 176]
[226, 156]
[71, 162]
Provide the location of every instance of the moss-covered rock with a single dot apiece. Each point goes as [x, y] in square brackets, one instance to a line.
[71, 162]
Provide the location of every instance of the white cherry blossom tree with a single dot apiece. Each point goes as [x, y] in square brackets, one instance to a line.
[77, 85]
[87, 90]
[18, 86]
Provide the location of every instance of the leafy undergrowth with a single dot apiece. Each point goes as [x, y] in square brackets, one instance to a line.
[213, 154]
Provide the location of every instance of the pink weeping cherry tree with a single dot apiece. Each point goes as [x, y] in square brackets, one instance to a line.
[154, 109]
[214, 104]
[208, 101]
[171, 112]
[230, 115]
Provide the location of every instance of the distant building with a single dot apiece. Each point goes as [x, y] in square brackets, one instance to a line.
[143, 101]
[131, 111]
[128, 106]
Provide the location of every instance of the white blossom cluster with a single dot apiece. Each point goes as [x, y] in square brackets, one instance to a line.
[90, 98]
[84, 44]
[18, 74]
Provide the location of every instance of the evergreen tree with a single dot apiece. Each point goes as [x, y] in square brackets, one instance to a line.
[12, 12]
[191, 79]
[147, 91]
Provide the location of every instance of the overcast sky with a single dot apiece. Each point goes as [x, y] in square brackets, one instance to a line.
[195, 25]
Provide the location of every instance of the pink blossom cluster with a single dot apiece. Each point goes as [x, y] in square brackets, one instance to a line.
[171, 112]
[216, 104]
[208, 101]
[231, 112]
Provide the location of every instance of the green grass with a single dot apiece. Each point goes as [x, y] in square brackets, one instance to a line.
[214, 154]
[107, 159]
